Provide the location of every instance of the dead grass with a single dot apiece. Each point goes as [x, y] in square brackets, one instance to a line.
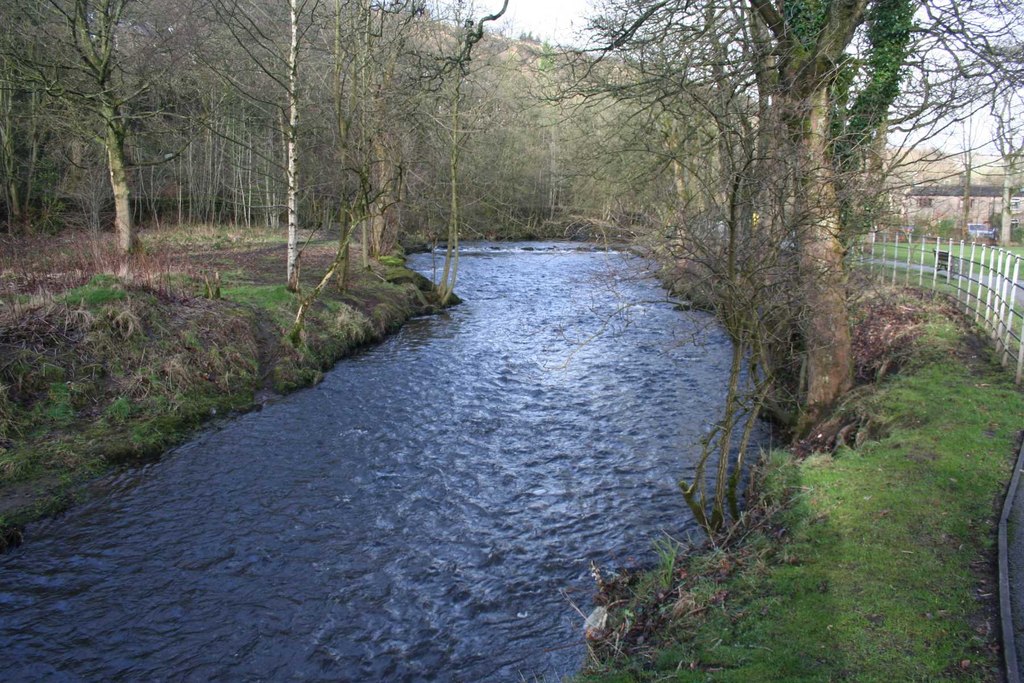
[33, 269]
[6, 416]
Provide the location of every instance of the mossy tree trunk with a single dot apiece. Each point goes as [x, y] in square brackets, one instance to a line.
[338, 269]
[124, 228]
[811, 39]
[826, 317]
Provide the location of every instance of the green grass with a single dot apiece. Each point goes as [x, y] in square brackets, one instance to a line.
[926, 256]
[269, 297]
[885, 553]
[392, 261]
[101, 289]
[119, 410]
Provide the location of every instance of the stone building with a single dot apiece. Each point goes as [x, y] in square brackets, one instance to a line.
[926, 206]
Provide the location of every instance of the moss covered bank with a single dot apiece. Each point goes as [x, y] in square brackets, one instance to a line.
[99, 371]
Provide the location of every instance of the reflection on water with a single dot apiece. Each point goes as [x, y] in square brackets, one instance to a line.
[429, 512]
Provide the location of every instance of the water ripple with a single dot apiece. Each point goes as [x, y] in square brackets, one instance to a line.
[423, 514]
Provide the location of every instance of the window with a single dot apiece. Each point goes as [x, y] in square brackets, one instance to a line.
[1015, 204]
[924, 202]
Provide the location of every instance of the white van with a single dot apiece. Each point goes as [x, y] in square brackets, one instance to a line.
[980, 230]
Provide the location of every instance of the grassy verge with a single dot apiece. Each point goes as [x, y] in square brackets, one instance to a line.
[873, 563]
[99, 371]
[916, 263]
[922, 252]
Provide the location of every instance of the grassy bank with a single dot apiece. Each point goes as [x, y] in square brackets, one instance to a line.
[870, 562]
[100, 370]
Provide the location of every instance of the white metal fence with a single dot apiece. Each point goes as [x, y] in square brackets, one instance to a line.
[984, 279]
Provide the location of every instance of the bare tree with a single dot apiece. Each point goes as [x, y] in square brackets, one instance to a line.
[369, 180]
[272, 36]
[1007, 112]
[102, 61]
[83, 67]
[822, 79]
[456, 68]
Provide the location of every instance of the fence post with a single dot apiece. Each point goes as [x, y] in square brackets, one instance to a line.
[1020, 354]
[1004, 299]
[881, 261]
[960, 272]
[949, 263]
[990, 289]
[935, 269]
[996, 284]
[1000, 300]
[969, 303]
[871, 259]
[910, 253]
[983, 261]
[895, 257]
[920, 273]
[1010, 301]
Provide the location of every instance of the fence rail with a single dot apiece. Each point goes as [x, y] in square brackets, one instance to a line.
[985, 280]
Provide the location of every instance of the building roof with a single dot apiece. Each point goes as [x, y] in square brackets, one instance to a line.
[955, 191]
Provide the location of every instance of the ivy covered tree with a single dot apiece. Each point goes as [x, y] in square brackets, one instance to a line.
[770, 120]
[821, 80]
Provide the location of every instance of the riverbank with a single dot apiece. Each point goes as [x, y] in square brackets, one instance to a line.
[873, 560]
[100, 370]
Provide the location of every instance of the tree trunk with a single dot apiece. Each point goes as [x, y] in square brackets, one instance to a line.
[826, 314]
[127, 242]
[1005, 233]
[553, 198]
[383, 173]
[450, 271]
[337, 269]
[8, 159]
[292, 152]
[966, 208]
[35, 139]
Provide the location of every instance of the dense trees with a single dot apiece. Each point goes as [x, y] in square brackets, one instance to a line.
[256, 111]
[99, 60]
[271, 36]
[774, 97]
[224, 113]
[791, 103]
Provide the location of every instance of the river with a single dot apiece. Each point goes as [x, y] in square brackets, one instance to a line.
[428, 512]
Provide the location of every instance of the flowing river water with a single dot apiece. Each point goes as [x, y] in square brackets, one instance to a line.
[428, 512]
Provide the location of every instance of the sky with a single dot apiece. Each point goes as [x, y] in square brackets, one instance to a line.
[553, 20]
